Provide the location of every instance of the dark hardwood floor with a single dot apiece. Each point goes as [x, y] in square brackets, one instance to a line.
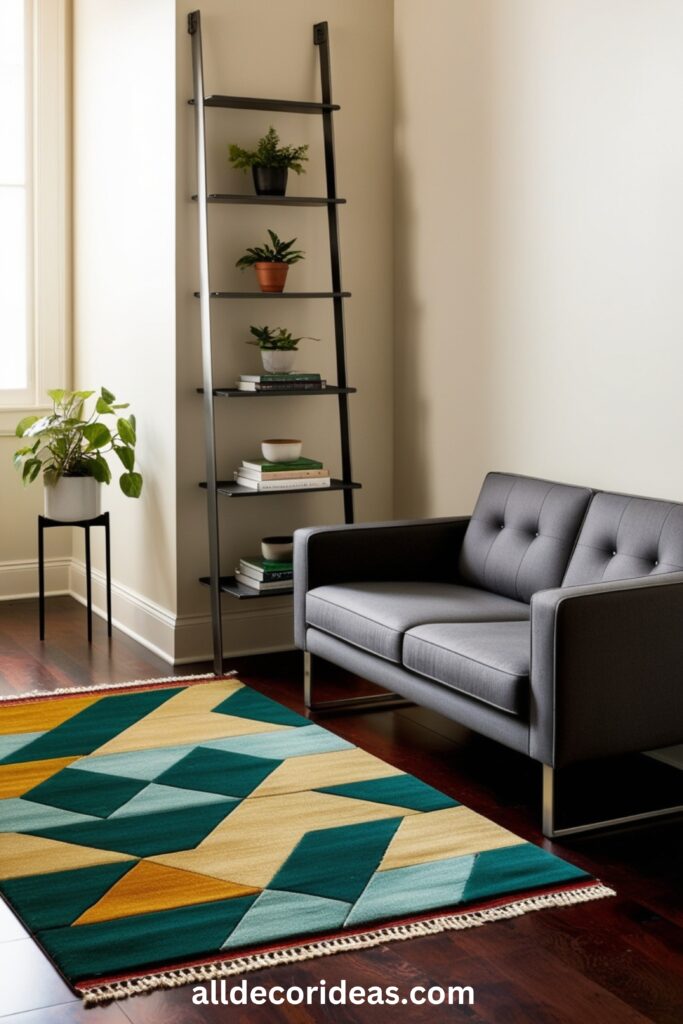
[615, 961]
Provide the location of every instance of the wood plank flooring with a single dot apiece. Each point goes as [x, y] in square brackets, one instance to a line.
[617, 961]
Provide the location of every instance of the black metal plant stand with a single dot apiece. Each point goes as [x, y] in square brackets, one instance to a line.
[44, 524]
[216, 488]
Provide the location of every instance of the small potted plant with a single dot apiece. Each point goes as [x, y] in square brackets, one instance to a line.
[269, 163]
[271, 262]
[278, 347]
[69, 447]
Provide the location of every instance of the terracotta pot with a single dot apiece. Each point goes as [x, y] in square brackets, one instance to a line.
[271, 277]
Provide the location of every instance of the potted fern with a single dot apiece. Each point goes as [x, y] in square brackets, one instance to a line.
[278, 347]
[271, 262]
[69, 447]
[269, 163]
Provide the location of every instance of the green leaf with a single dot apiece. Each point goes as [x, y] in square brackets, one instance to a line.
[103, 407]
[107, 396]
[83, 395]
[97, 435]
[126, 428]
[57, 394]
[99, 469]
[131, 484]
[23, 425]
[31, 470]
[127, 457]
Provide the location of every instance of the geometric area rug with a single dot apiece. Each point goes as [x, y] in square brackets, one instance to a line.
[178, 831]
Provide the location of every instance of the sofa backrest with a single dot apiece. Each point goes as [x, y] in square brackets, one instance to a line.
[521, 534]
[624, 537]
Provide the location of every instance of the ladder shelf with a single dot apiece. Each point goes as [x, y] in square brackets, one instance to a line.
[215, 488]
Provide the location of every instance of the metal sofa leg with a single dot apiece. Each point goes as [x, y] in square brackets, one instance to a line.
[549, 805]
[375, 700]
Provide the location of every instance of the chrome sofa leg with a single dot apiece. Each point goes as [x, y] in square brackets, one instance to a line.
[549, 806]
[375, 700]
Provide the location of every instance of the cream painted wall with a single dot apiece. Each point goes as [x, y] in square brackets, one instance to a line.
[270, 53]
[124, 270]
[539, 245]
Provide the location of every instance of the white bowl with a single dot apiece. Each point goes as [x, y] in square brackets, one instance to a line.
[277, 449]
[277, 549]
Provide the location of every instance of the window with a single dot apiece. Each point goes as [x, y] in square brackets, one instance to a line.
[34, 204]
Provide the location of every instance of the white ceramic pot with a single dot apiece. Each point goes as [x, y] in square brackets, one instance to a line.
[277, 549]
[276, 360]
[73, 498]
[281, 449]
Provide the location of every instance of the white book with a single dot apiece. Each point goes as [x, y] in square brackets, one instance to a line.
[282, 485]
[247, 581]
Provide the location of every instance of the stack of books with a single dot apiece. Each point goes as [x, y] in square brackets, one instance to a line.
[260, 574]
[281, 382]
[299, 475]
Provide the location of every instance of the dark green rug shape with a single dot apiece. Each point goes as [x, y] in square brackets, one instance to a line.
[399, 790]
[92, 727]
[144, 940]
[51, 901]
[249, 704]
[336, 862]
[219, 771]
[515, 869]
[141, 836]
[86, 792]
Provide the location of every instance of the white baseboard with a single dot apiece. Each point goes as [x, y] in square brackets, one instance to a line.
[180, 640]
[20, 579]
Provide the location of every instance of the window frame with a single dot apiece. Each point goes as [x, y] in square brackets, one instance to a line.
[48, 187]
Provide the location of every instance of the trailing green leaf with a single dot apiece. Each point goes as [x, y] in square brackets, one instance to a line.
[131, 484]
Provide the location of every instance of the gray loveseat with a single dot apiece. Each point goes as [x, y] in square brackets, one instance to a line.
[550, 620]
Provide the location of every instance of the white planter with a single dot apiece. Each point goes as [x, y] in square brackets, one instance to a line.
[278, 360]
[73, 498]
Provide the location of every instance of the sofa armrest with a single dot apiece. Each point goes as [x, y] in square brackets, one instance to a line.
[420, 549]
[606, 668]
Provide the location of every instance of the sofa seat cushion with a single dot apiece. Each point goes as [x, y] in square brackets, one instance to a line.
[375, 616]
[486, 660]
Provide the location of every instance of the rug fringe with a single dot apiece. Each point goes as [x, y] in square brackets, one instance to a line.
[341, 944]
[32, 694]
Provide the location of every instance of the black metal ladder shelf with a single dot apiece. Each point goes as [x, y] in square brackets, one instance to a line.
[216, 488]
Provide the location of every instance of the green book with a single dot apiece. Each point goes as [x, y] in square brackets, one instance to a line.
[281, 467]
[264, 565]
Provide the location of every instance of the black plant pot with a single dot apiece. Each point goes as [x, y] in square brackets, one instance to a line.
[269, 181]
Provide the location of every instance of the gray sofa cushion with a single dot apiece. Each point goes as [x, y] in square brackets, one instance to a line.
[374, 616]
[625, 537]
[521, 535]
[487, 660]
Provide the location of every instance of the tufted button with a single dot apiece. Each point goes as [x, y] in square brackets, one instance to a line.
[502, 526]
[656, 562]
[613, 553]
[537, 534]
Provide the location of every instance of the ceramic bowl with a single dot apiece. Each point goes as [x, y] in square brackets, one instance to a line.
[277, 549]
[278, 449]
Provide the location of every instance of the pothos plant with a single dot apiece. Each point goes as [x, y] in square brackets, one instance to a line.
[276, 338]
[67, 442]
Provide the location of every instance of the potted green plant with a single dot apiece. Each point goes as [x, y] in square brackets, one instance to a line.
[278, 347]
[271, 262]
[269, 163]
[69, 447]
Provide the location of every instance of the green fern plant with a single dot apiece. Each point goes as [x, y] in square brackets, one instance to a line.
[269, 153]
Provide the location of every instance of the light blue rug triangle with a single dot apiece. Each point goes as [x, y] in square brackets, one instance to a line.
[309, 739]
[8, 744]
[413, 889]
[278, 915]
[155, 798]
[136, 764]
[17, 815]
